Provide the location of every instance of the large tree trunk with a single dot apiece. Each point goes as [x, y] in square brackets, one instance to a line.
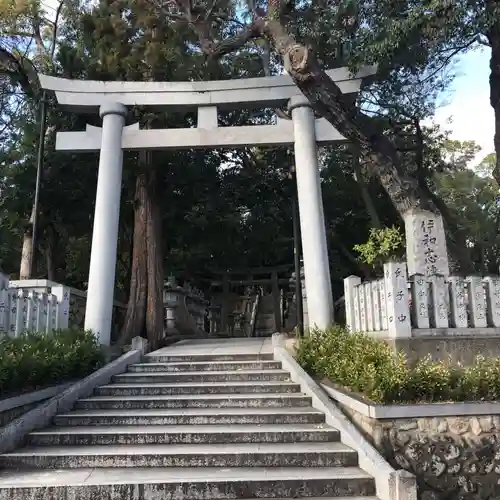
[494, 39]
[27, 250]
[145, 305]
[136, 307]
[327, 99]
[375, 149]
[365, 193]
[154, 303]
[51, 253]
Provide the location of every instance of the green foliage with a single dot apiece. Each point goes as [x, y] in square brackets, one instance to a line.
[370, 367]
[240, 200]
[471, 197]
[33, 360]
[355, 362]
[383, 245]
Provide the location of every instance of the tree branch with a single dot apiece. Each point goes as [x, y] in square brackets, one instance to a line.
[325, 97]
[232, 44]
[12, 67]
[54, 34]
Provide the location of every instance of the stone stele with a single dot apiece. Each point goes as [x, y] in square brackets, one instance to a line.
[425, 244]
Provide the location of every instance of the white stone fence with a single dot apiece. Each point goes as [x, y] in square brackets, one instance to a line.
[34, 310]
[42, 306]
[397, 306]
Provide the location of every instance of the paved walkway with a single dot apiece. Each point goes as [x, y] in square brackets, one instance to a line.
[217, 346]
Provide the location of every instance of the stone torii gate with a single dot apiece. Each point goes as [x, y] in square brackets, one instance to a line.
[111, 99]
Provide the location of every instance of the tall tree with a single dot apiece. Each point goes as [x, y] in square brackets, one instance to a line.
[281, 23]
[431, 34]
[28, 43]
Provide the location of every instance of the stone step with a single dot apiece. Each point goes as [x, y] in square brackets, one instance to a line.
[183, 434]
[184, 455]
[173, 358]
[184, 377]
[189, 416]
[205, 366]
[186, 483]
[194, 401]
[154, 389]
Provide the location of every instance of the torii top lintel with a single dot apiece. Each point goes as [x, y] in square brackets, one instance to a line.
[87, 95]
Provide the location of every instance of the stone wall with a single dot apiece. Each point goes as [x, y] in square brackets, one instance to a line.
[461, 349]
[454, 458]
[8, 416]
[15, 406]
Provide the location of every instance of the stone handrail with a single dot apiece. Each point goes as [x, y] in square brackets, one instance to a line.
[391, 484]
[185, 311]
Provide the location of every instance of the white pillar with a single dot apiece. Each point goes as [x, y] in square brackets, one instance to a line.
[312, 219]
[99, 309]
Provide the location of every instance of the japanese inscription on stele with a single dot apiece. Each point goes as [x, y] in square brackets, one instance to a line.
[425, 244]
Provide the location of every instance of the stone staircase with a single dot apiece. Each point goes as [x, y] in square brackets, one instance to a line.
[188, 427]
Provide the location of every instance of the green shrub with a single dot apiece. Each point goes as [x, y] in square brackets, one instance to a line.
[370, 367]
[35, 360]
[383, 245]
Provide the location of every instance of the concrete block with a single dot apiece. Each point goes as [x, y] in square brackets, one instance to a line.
[140, 344]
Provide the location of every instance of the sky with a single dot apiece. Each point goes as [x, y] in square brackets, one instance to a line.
[467, 102]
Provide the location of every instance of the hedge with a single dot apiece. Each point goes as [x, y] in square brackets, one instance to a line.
[371, 368]
[32, 361]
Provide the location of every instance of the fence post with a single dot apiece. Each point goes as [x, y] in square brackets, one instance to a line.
[396, 290]
[477, 301]
[351, 307]
[52, 313]
[12, 311]
[420, 301]
[62, 293]
[31, 312]
[439, 301]
[383, 304]
[43, 312]
[38, 313]
[369, 307]
[376, 306]
[19, 314]
[457, 302]
[493, 287]
[4, 304]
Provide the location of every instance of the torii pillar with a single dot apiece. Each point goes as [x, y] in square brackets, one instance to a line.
[99, 309]
[312, 219]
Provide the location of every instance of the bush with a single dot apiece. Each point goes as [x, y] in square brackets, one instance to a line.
[370, 367]
[35, 360]
[383, 245]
